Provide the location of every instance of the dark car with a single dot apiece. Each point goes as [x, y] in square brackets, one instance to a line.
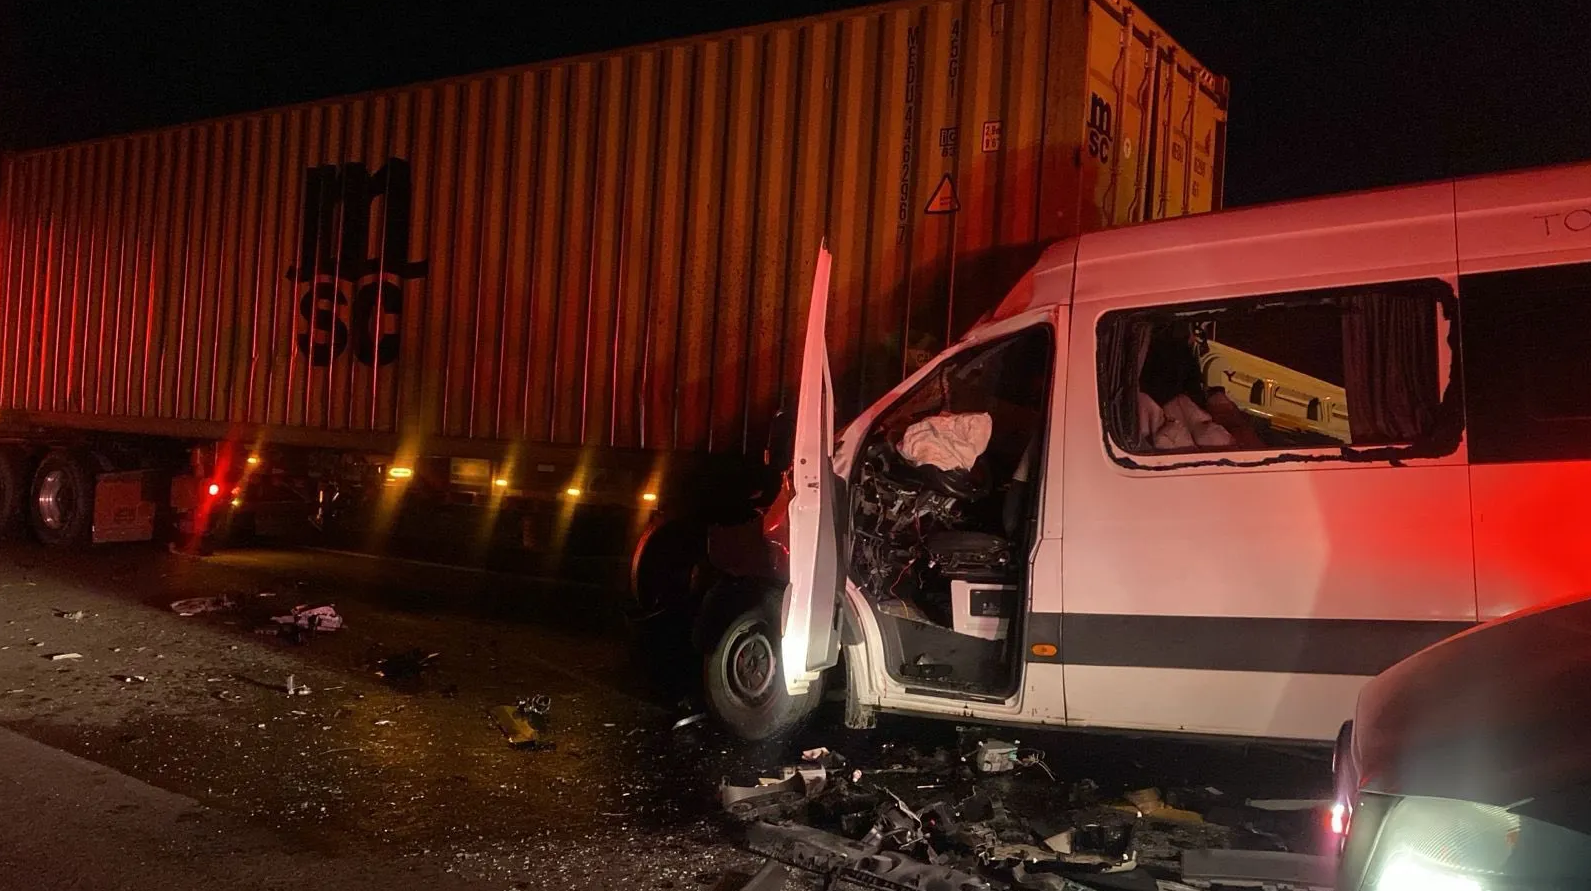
[1467, 766]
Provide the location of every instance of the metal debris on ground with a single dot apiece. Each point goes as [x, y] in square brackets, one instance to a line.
[193, 606]
[59, 657]
[690, 719]
[312, 618]
[525, 724]
[943, 818]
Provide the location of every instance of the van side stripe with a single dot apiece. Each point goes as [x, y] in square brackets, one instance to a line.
[1229, 643]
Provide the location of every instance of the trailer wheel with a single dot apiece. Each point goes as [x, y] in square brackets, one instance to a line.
[744, 675]
[62, 504]
[13, 491]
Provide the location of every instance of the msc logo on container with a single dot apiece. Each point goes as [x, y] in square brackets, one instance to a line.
[1099, 141]
[353, 296]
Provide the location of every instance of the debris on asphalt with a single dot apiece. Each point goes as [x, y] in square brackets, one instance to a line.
[1258, 869]
[402, 666]
[228, 696]
[132, 678]
[312, 618]
[58, 657]
[994, 756]
[524, 724]
[74, 616]
[193, 606]
[690, 719]
[975, 821]
[1149, 804]
[295, 689]
[385, 722]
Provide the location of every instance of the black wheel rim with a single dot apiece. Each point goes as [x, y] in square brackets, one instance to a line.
[751, 664]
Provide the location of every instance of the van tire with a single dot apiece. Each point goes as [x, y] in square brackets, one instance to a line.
[744, 676]
[61, 500]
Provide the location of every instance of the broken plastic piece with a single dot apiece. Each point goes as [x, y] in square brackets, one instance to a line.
[771, 877]
[193, 606]
[313, 618]
[762, 801]
[75, 615]
[994, 756]
[59, 657]
[1151, 806]
[803, 846]
[690, 719]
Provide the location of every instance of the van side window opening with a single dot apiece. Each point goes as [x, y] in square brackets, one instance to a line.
[1527, 334]
[1349, 369]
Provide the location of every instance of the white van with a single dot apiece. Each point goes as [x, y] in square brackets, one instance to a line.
[1204, 476]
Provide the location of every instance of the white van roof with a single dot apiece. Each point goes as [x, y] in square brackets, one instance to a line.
[1526, 217]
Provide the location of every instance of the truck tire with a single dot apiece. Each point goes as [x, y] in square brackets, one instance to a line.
[61, 502]
[669, 569]
[14, 487]
[744, 678]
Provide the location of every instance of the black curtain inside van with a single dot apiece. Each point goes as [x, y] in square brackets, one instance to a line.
[1389, 366]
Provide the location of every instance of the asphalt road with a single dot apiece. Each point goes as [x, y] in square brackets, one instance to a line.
[206, 773]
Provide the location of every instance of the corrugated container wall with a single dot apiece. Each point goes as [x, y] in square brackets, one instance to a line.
[609, 251]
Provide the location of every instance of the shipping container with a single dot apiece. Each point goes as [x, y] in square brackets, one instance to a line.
[590, 256]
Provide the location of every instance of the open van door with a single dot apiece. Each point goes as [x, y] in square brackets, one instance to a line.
[809, 638]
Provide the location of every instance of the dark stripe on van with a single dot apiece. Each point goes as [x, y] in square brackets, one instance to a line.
[1218, 643]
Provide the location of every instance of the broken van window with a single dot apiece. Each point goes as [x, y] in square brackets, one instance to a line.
[1345, 368]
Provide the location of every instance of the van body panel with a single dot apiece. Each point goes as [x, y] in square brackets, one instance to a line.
[1531, 518]
[1237, 703]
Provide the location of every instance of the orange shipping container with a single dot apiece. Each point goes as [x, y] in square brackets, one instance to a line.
[606, 251]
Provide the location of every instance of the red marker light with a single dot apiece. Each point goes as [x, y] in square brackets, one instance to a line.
[214, 490]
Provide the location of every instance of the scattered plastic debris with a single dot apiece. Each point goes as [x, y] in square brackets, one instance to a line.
[132, 678]
[312, 618]
[76, 615]
[994, 756]
[194, 606]
[385, 722]
[59, 657]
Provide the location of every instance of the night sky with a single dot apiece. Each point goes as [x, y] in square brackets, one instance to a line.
[1327, 95]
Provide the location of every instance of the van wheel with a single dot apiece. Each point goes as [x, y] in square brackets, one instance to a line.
[13, 492]
[62, 504]
[744, 677]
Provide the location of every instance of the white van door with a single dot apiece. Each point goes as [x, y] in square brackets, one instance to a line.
[810, 639]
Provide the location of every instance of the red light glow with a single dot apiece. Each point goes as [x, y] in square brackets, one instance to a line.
[214, 490]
